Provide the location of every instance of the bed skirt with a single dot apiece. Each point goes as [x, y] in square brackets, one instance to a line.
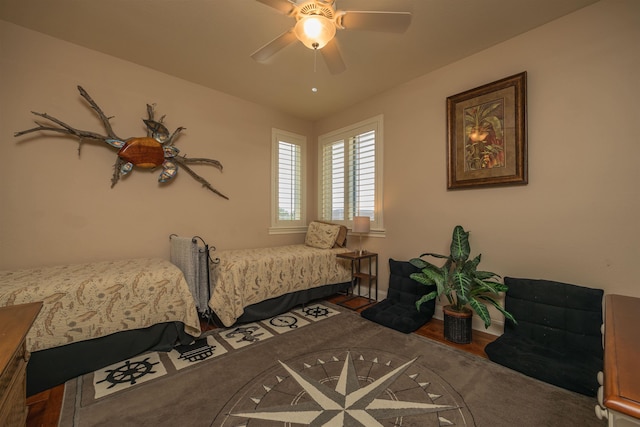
[274, 306]
[54, 366]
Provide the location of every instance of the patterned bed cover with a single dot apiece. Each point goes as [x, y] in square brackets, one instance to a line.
[248, 276]
[86, 301]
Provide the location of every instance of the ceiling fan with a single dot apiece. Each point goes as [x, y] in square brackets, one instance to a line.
[316, 25]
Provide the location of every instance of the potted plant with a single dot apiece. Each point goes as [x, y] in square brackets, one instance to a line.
[465, 287]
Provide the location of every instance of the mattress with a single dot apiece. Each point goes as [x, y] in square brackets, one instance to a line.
[86, 301]
[248, 276]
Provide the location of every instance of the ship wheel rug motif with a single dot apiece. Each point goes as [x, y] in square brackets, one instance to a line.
[139, 369]
[149, 366]
[347, 387]
[130, 372]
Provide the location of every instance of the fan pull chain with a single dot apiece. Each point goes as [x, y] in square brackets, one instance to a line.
[314, 89]
[315, 56]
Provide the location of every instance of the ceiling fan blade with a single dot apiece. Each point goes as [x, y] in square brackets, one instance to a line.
[284, 6]
[395, 22]
[331, 55]
[274, 46]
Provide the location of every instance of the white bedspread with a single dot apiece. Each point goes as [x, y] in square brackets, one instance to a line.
[248, 276]
[86, 301]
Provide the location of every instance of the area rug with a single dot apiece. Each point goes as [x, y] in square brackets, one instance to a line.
[338, 370]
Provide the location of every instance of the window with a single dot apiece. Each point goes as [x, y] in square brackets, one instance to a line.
[288, 157]
[351, 173]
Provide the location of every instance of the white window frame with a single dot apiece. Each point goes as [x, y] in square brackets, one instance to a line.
[279, 226]
[373, 124]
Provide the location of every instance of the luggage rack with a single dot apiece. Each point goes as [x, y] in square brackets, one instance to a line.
[195, 262]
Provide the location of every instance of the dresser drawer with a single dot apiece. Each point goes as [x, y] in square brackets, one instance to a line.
[15, 321]
[13, 408]
[10, 370]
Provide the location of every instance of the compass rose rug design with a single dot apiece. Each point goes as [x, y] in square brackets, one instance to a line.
[348, 387]
[339, 371]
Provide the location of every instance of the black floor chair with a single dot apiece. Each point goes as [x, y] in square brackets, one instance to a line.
[557, 339]
[398, 311]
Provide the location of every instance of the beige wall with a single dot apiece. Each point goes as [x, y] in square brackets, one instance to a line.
[58, 208]
[578, 218]
[576, 221]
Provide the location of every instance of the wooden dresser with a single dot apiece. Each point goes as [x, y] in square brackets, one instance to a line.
[15, 322]
[619, 394]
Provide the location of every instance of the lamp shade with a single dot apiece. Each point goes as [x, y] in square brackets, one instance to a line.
[314, 31]
[361, 224]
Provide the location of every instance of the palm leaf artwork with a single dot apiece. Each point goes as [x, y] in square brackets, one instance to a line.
[483, 125]
[460, 281]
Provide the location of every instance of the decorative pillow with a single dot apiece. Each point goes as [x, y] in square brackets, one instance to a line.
[322, 236]
[341, 239]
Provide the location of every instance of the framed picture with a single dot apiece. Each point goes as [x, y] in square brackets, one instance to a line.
[487, 135]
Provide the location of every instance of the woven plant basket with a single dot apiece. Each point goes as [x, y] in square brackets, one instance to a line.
[457, 325]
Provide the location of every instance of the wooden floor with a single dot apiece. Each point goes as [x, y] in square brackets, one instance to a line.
[44, 408]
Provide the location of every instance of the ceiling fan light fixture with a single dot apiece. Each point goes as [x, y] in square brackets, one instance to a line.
[315, 31]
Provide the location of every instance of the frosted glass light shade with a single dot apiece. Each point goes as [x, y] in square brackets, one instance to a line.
[315, 31]
[361, 224]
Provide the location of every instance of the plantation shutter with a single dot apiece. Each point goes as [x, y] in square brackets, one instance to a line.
[362, 175]
[348, 175]
[289, 182]
[333, 181]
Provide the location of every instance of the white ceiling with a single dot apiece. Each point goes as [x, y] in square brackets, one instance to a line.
[209, 42]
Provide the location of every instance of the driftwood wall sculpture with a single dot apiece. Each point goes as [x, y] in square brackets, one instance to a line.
[148, 152]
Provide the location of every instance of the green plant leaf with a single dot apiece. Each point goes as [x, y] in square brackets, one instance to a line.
[461, 282]
[439, 277]
[468, 268]
[484, 275]
[484, 286]
[501, 287]
[421, 278]
[425, 298]
[462, 287]
[499, 307]
[434, 255]
[431, 275]
[482, 311]
[418, 262]
[460, 248]
[436, 273]
[476, 261]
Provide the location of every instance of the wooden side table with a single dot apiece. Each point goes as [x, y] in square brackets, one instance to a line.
[15, 322]
[370, 275]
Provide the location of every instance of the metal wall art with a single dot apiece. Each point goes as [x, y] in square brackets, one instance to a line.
[487, 135]
[147, 152]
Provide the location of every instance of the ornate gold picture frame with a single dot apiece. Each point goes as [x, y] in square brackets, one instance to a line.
[487, 135]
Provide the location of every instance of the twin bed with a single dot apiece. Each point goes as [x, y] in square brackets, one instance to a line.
[254, 284]
[100, 313]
